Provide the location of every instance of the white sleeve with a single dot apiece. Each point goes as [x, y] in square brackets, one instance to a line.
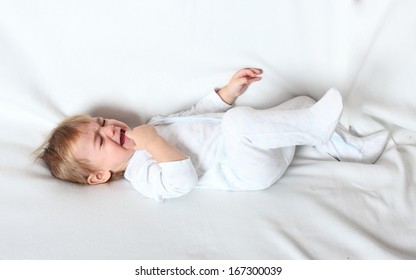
[210, 103]
[160, 181]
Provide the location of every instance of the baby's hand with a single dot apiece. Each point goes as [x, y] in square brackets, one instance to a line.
[142, 135]
[146, 138]
[239, 83]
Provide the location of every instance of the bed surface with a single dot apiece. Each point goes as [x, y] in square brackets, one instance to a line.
[134, 59]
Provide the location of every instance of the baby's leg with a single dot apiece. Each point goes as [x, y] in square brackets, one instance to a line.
[248, 168]
[296, 103]
[260, 168]
[274, 128]
[343, 145]
[346, 147]
[259, 144]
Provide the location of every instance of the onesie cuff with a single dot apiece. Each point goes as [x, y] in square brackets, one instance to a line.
[212, 101]
[179, 171]
[175, 163]
[222, 102]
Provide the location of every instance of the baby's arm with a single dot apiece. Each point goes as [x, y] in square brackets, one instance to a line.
[220, 100]
[146, 138]
[238, 84]
[158, 170]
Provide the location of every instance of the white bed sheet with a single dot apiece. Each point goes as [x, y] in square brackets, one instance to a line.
[134, 59]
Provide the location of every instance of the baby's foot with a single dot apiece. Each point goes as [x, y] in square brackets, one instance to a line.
[371, 147]
[346, 147]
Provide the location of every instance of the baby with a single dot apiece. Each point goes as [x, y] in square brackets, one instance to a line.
[211, 145]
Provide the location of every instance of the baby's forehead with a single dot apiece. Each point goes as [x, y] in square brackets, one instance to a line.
[87, 120]
[89, 125]
[85, 133]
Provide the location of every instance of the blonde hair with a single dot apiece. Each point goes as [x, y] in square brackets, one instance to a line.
[56, 152]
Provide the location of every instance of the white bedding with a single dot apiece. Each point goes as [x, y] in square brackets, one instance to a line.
[134, 59]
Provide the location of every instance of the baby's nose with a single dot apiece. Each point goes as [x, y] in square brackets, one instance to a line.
[109, 130]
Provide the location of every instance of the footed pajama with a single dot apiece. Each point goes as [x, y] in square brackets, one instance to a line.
[234, 148]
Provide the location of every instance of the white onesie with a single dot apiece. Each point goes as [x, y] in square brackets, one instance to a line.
[196, 132]
[237, 149]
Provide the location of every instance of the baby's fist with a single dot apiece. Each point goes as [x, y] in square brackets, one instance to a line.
[142, 135]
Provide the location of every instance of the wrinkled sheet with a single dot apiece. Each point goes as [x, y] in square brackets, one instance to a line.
[134, 59]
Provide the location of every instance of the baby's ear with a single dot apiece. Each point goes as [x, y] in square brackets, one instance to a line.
[99, 177]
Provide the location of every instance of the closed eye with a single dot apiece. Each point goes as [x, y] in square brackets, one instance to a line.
[104, 121]
[101, 122]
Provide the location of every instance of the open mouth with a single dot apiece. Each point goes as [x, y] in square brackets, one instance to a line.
[122, 137]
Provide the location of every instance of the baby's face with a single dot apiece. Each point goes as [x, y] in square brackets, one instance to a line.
[103, 143]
